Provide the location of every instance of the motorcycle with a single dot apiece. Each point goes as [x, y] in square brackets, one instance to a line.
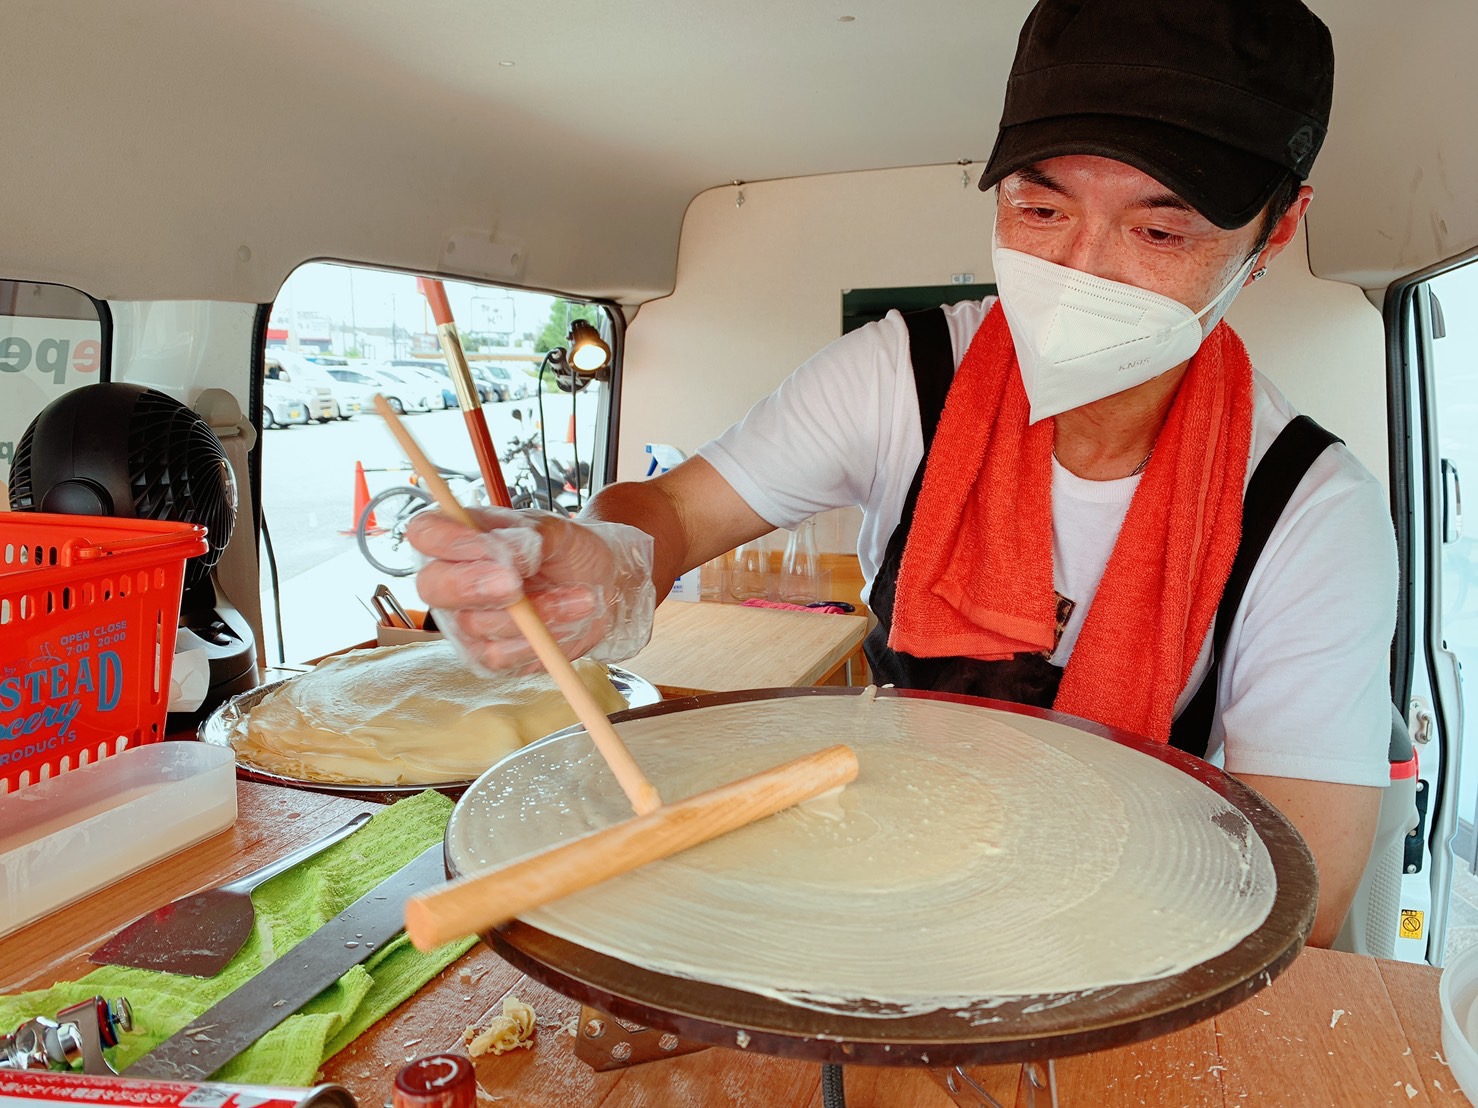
[545, 482]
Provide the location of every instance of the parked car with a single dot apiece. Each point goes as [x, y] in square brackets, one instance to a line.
[407, 389]
[510, 384]
[353, 388]
[349, 399]
[486, 390]
[284, 404]
[291, 368]
[437, 371]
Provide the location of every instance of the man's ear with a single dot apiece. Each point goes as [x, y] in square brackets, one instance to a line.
[1287, 225]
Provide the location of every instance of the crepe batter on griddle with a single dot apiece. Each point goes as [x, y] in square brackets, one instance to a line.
[977, 855]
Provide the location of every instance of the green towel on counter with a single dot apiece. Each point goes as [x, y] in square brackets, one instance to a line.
[288, 908]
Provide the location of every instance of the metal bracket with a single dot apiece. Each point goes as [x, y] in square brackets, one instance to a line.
[1035, 1088]
[604, 1042]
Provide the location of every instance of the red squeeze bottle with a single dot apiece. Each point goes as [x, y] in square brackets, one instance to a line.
[436, 1081]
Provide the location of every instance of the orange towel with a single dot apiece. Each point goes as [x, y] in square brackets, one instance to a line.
[976, 578]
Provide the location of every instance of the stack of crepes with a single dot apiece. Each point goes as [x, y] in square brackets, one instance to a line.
[405, 715]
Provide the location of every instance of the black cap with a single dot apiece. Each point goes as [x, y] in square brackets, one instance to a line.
[1219, 100]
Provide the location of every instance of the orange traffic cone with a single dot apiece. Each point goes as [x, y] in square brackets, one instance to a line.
[361, 502]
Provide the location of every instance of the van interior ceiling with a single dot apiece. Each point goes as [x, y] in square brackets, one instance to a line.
[713, 186]
[204, 154]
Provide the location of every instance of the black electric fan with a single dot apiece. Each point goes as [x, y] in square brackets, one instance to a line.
[115, 449]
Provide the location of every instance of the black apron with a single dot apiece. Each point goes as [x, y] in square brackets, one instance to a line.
[1031, 678]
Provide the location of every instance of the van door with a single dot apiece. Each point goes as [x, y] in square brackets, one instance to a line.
[1434, 326]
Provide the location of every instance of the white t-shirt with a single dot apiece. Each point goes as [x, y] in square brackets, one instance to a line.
[1304, 690]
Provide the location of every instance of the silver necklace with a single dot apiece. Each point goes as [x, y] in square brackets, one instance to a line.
[1135, 472]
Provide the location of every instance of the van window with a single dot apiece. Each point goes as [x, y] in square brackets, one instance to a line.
[863, 306]
[336, 490]
[51, 341]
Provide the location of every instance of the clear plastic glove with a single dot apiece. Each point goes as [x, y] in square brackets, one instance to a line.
[591, 583]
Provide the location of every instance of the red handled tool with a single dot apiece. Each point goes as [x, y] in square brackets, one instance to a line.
[477, 425]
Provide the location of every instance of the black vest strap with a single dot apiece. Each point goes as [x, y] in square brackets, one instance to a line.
[932, 353]
[932, 356]
[1268, 492]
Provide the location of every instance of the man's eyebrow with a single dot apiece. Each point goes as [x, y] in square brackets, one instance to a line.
[1166, 200]
[1031, 175]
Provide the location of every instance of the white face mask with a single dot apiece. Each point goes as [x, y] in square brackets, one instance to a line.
[1080, 338]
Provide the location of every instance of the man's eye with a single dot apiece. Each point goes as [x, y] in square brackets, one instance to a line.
[1040, 213]
[1161, 238]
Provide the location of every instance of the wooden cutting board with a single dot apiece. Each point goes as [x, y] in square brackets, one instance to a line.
[703, 647]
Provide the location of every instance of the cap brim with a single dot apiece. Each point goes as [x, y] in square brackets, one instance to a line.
[1228, 186]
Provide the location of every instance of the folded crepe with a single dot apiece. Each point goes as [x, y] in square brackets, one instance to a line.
[405, 715]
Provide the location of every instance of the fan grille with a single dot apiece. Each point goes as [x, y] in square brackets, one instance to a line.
[175, 467]
[22, 495]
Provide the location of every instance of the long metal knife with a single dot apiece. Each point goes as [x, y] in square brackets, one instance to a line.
[242, 1017]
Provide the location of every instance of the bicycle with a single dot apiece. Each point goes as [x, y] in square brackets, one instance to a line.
[383, 542]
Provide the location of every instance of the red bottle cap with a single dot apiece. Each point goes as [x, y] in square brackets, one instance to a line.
[436, 1081]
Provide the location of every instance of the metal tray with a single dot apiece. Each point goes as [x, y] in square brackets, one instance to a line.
[216, 730]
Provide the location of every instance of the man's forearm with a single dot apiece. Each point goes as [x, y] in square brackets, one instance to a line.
[691, 512]
[1338, 823]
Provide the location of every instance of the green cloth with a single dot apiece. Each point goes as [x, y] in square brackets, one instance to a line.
[288, 908]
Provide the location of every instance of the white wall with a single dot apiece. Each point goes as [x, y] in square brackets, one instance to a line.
[759, 289]
[1322, 343]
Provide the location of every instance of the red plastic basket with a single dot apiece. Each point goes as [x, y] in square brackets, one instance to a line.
[89, 606]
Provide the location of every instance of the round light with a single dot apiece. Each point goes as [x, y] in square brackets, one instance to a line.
[588, 351]
[587, 359]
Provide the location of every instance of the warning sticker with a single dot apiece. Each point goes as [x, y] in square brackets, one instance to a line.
[1411, 923]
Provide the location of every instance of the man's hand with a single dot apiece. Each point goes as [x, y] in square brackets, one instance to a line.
[590, 583]
[1338, 822]
[595, 581]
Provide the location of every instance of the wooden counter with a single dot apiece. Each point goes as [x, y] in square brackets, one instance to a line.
[703, 647]
[1284, 1047]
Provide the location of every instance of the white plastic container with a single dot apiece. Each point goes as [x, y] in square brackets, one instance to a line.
[689, 586]
[73, 834]
[1457, 992]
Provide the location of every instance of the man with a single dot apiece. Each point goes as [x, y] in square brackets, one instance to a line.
[1053, 484]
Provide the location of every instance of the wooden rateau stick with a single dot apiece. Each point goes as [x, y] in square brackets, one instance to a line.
[478, 903]
[644, 798]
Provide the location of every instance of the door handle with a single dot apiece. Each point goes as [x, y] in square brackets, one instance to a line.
[1452, 502]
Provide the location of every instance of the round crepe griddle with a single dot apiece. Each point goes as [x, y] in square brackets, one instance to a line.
[995, 1030]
